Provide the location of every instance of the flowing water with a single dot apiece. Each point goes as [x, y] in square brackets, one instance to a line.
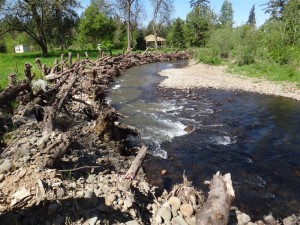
[254, 137]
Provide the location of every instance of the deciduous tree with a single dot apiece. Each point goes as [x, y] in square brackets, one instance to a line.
[35, 17]
[162, 10]
[95, 27]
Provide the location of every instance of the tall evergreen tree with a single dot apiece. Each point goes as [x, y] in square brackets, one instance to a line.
[199, 22]
[275, 8]
[226, 15]
[252, 19]
[178, 34]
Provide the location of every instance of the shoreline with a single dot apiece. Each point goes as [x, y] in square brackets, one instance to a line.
[198, 75]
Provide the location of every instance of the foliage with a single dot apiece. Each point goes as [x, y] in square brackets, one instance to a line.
[140, 41]
[251, 19]
[199, 22]
[226, 14]
[275, 8]
[223, 41]
[247, 45]
[208, 56]
[177, 35]
[40, 19]
[199, 3]
[95, 27]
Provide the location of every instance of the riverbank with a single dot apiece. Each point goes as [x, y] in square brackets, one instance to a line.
[198, 75]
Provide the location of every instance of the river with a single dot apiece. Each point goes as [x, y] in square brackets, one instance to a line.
[254, 137]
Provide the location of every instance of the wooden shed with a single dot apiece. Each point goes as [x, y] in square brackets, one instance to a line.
[22, 48]
[150, 41]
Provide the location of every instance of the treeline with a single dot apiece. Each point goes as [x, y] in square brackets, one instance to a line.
[117, 24]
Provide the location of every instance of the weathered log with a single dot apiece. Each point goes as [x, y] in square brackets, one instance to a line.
[136, 164]
[70, 58]
[48, 119]
[66, 92]
[38, 63]
[215, 210]
[128, 129]
[145, 51]
[12, 79]
[62, 62]
[11, 93]
[27, 72]
[52, 77]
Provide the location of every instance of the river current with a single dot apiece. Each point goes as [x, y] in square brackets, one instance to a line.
[254, 137]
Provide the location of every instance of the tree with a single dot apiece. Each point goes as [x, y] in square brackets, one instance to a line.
[140, 41]
[125, 6]
[226, 15]
[35, 17]
[275, 8]
[162, 10]
[95, 27]
[291, 19]
[251, 19]
[177, 34]
[199, 22]
[199, 3]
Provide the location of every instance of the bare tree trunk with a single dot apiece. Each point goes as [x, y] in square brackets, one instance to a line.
[129, 2]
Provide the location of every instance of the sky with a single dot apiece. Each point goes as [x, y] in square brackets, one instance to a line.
[241, 9]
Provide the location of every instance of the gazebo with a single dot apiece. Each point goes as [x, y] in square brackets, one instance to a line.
[150, 41]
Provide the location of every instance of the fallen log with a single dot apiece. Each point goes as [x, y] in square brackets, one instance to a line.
[136, 164]
[215, 210]
[11, 92]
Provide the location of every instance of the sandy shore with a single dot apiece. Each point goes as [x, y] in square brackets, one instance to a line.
[207, 76]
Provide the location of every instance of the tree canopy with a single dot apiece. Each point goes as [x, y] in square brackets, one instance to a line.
[251, 19]
[226, 14]
[38, 18]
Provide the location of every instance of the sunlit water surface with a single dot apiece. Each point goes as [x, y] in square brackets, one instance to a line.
[254, 137]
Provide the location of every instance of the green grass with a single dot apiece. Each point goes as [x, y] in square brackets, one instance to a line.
[11, 63]
[269, 71]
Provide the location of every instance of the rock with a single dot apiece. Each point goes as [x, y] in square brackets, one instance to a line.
[179, 221]
[128, 203]
[2, 177]
[132, 222]
[242, 218]
[91, 221]
[52, 209]
[59, 221]
[291, 220]
[175, 203]
[250, 223]
[5, 166]
[191, 220]
[158, 219]
[60, 193]
[109, 199]
[165, 213]
[186, 210]
[22, 173]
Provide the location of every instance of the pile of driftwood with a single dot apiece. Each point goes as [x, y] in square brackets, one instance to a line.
[63, 109]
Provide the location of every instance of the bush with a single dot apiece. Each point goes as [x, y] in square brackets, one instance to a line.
[208, 56]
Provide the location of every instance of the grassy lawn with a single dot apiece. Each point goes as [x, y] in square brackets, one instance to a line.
[12, 63]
